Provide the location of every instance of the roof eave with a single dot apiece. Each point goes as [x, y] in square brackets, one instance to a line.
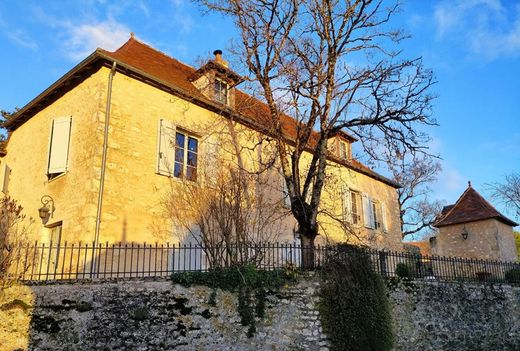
[502, 219]
[17, 119]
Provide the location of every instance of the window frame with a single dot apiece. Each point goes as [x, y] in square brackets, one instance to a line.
[343, 155]
[218, 86]
[356, 217]
[185, 153]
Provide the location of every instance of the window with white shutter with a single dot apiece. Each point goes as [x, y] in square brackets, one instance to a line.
[383, 217]
[211, 161]
[368, 214]
[347, 205]
[59, 147]
[285, 194]
[177, 152]
[165, 147]
[6, 172]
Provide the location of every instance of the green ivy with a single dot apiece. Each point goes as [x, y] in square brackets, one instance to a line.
[354, 308]
[251, 284]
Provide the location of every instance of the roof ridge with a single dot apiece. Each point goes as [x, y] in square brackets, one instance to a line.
[453, 206]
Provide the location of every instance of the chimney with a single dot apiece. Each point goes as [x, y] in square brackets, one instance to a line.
[218, 58]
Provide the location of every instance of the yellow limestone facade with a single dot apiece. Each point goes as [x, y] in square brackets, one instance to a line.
[134, 191]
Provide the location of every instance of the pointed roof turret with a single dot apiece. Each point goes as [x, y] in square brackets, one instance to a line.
[470, 207]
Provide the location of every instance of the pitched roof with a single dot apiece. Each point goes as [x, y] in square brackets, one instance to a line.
[143, 62]
[470, 207]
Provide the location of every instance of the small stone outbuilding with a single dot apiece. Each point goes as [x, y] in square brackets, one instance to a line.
[473, 228]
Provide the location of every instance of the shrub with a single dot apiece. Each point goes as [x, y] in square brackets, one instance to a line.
[354, 307]
[513, 275]
[403, 270]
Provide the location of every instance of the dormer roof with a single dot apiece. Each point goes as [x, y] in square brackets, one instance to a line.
[470, 207]
[219, 66]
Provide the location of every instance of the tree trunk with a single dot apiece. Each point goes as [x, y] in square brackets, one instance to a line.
[308, 252]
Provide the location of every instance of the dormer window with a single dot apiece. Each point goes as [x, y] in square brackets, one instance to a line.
[221, 91]
[344, 153]
[216, 81]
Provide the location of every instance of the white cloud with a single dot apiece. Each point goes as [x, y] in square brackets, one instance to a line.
[80, 37]
[486, 28]
[19, 37]
[85, 38]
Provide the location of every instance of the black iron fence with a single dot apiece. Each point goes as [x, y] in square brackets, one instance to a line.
[40, 262]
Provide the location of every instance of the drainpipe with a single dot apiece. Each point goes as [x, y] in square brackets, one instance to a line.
[103, 165]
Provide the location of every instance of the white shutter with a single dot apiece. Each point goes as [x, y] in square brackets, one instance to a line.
[367, 212]
[211, 161]
[166, 147]
[347, 205]
[285, 193]
[6, 171]
[383, 217]
[59, 148]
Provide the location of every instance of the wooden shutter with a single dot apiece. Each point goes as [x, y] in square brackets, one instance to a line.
[347, 205]
[383, 217]
[59, 147]
[211, 161]
[367, 212]
[285, 193]
[165, 147]
[6, 172]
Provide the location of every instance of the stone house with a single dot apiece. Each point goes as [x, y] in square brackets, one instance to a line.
[473, 228]
[108, 140]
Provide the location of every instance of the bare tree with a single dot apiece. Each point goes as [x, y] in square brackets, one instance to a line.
[331, 65]
[14, 244]
[508, 192]
[415, 173]
[234, 202]
[227, 217]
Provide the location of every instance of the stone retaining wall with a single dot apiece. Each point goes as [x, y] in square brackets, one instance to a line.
[157, 315]
[455, 316]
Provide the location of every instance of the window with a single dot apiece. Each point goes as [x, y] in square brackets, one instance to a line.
[186, 148]
[6, 172]
[352, 206]
[221, 91]
[177, 152]
[59, 147]
[374, 213]
[376, 210]
[285, 194]
[343, 150]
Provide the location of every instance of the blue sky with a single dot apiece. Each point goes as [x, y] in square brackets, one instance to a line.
[473, 46]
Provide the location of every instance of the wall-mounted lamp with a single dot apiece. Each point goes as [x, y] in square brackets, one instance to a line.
[464, 233]
[47, 209]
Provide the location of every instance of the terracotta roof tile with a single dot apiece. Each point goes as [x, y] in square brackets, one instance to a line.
[470, 207]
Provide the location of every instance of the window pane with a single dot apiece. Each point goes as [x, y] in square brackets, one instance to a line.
[191, 173]
[179, 155]
[192, 144]
[177, 172]
[179, 140]
[192, 159]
